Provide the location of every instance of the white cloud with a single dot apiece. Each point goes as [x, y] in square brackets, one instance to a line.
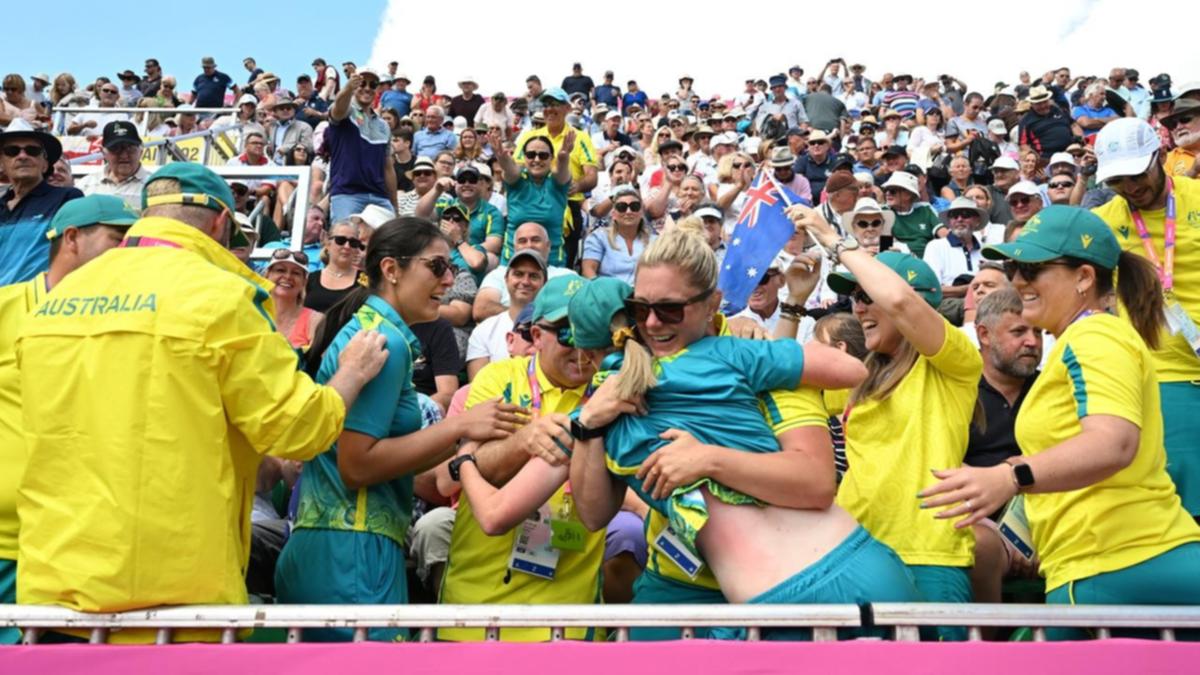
[499, 44]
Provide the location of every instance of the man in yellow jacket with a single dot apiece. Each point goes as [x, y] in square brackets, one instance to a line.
[81, 230]
[152, 381]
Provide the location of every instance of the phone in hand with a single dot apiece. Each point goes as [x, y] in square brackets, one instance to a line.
[886, 241]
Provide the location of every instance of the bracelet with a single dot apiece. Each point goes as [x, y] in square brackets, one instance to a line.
[797, 310]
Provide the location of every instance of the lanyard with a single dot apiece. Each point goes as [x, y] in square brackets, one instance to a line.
[145, 242]
[1166, 271]
[535, 387]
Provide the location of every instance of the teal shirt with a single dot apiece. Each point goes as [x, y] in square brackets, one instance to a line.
[485, 219]
[711, 390]
[545, 204]
[387, 407]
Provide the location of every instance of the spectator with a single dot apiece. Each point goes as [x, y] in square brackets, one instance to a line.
[29, 202]
[782, 163]
[1137, 95]
[867, 222]
[312, 109]
[841, 195]
[285, 132]
[614, 252]
[1046, 128]
[961, 131]
[241, 411]
[370, 467]
[993, 232]
[763, 307]
[534, 194]
[361, 170]
[424, 179]
[343, 248]
[466, 104]
[523, 279]
[470, 148]
[928, 139]
[288, 270]
[251, 67]
[91, 124]
[786, 112]
[893, 134]
[608, 93]
[151, 82]
[438, 361]
[130, 93]
[578, 83]
[208, 89]
[634, 96]
[960, 178]
[485, 224]
[1024, 200]
[900, 98]
[1005, 174]
[396, 97]
[956, 257]
[433, 138]
[496, 115]
[816, 163]
[243, 120]
[79, 232]
[403, 160]
[122, 174]
[1184, 125]
[1093, 113]
[166, 95]
[327, 80]
[493, 297]
[254, 153]
[15, 104]
[916, 223]
[1061, 187]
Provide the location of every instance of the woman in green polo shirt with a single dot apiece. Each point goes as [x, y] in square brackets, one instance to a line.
[538, 192]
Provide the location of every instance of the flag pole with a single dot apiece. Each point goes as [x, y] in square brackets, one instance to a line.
[787, 202]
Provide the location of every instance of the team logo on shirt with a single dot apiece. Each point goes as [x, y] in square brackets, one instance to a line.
[1124, 230]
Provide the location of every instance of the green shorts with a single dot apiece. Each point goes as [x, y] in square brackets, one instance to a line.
[1181, 437]
[1168, 578]
[860, 570]
[654, 589]
[8, 596]
[938, 583]
[332, 567]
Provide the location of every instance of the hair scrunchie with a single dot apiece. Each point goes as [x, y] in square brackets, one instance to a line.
[621, 336]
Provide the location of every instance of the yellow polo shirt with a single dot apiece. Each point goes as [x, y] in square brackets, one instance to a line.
[894, 443]
[1174, 360]
[16, 301]
[1179, 161]
[1101, 366]
[477, 571]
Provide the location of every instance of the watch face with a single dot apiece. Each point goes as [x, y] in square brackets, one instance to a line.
[1024, 475]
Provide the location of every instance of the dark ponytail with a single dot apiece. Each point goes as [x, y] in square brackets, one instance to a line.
[400, 238]
[1140, 291]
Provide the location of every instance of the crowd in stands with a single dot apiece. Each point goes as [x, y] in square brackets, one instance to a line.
[975, 361]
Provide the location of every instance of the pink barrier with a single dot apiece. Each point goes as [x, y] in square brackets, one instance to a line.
[700, 656]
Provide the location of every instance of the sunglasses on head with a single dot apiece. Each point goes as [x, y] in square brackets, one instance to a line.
[284, 254]
[538, 154]
[622, 207]
[34, 151]
[667, 312]
[353, 242]
[1060, 185]
[1029, 271]
[562, 333]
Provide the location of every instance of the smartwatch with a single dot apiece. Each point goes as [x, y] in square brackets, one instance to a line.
[1023, 475]
[458, 462]
[581, 433]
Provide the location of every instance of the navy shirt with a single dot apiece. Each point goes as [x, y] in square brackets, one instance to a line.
[357, 153]
[316, 103]
[24, 249]
[210, 89]
[816, 174]
[577, 84]
[254, 75]
[607, 94]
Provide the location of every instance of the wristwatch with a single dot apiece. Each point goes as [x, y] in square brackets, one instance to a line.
[1023, 475]
[846, 244]
[582, 433]
[456, 463]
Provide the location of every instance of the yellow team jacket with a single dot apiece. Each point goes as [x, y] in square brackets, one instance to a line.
[152, 381]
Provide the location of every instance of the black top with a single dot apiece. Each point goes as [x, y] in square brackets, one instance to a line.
[998, 441]
[403, 182]
[461, 107]
[319, 298]
[439, 354]
[1047, 134]
[578, 84]
[815, 173]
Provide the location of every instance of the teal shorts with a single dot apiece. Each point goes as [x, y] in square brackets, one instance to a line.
[1181, 436]
[937, 583]
[654, 589]
[8, 596]
[1169, 578]
[331, 567]
[860, 570]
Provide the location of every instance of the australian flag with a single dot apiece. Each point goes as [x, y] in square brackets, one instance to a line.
[761, 233]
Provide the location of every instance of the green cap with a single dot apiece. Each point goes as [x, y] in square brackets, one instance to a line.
[592, 309]
[1058, 231]
[92, 210]
[913, 270]
[199, 186]
[550, 305]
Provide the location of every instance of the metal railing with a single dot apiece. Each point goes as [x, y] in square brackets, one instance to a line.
[62, 114]
[824, 620]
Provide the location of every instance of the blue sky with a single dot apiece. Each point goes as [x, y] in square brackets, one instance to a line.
[89, 39]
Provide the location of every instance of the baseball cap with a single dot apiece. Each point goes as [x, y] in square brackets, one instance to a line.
[1006, 163]
[120, 132]
[895, 151]
[708, 211]
[919, 276]
[556, 95]
[375, 215]
[1058, 231]
[208, 61]
[996, 126]
[1024, 187]
[1061, 158]
[198, 186]
[726, 138]
[92, 210]
[592, 309]
[530, 253]
[1125, 147]
[904, 181]
[247, 98]
[551, 302]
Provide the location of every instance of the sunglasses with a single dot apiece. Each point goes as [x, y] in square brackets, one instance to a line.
[538, 154]
[860, 296]
[963, 215]
[771, 274]
[29, 150]
[284, 254]
[353, 242]
[166, 86]
[422, 172]
[1182, 119]
[561, 333]
[365, 84]
[1019, 200]
[869, 224]
[468, 179]
[109, 91]
[454, 217]
[677, 167]
[622, 207]
[892, 191]
[1028, 271]
[742, 165]
[818, 142]
[1061, 185]
[667, 312]
[438, 266]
